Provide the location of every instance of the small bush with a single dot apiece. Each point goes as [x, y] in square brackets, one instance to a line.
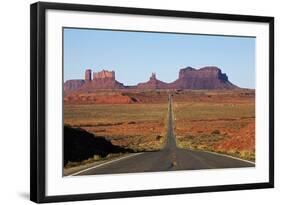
[158, 137]
[97, 157]
[216, 132]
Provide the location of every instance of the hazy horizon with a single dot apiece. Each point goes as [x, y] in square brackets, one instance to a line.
[135, 55]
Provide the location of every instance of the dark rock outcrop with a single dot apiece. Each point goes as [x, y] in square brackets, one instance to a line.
[80, 145]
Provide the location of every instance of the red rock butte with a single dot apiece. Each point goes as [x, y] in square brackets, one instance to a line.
[209, 77]
[104, 74]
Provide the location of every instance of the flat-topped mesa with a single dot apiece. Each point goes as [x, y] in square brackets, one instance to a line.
[209, 77]
[205, 72]
[101, 80]
[104, 74]
[72, 85]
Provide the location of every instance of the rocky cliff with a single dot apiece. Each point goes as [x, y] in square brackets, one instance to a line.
[204, 78]
[209, 77]
[72, 85]
[102, 83]
[101, 80]
[153, 83]
[104, 74]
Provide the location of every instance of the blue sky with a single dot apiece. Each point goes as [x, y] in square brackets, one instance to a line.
[135, 55]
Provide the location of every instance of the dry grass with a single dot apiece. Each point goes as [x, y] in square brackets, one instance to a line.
[140, 127]
[226, 127]
[93, 159]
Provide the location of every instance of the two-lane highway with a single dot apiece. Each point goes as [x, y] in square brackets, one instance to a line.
[169, 158]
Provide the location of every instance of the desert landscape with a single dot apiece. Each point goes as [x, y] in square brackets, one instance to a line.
[209, 113]
[218, 121]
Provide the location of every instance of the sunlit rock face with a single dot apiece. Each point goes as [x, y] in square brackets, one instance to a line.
[209, 77]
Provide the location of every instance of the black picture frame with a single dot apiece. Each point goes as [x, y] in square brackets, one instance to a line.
[38, 103]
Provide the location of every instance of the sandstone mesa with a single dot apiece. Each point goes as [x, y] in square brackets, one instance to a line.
[209, 77]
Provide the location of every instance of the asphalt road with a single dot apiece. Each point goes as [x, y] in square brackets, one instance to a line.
[169, 158]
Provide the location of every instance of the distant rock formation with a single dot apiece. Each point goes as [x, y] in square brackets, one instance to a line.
[209, 77]
[101, 80]
[153, 83]
[72, 85]
[101, 83]
[88, 75]
[104, 74]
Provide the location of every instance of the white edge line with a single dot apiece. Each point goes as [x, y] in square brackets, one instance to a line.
[100, 165]
[225, 155]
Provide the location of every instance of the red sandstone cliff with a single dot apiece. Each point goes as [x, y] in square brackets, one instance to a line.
[72, 85]
[153, 83]
[204, 78]
[209, 77]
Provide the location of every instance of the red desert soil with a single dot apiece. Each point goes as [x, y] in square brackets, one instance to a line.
[216, 120]
[242, 140]
[92, 98]
[219, 123]
[129, 96]
[116, 97]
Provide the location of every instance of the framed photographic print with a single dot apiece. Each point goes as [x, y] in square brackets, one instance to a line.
[129, 102]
